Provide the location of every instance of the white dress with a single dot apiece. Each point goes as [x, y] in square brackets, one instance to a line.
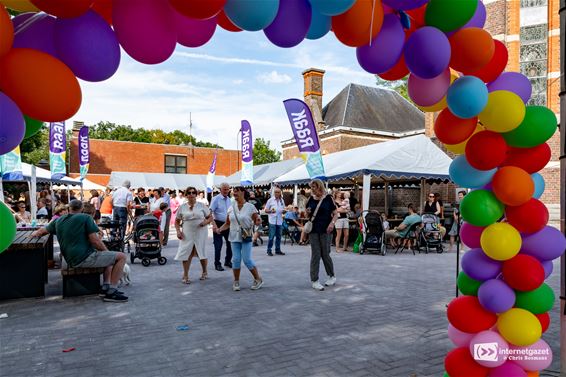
[194, 235]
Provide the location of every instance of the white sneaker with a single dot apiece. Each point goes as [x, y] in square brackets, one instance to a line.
[316, 285]
[236, 286]
[257, 284]
[331, 281]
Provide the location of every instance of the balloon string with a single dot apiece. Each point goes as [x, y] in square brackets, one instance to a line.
[371, 24]
[30, 21]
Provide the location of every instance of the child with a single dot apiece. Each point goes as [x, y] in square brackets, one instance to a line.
[384, 221]
[162, 219]
[345, 203]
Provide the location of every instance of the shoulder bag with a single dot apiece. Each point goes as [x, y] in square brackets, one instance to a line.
[247, 233]
[307, 228]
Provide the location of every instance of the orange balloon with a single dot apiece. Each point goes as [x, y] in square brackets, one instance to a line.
[450, 129]
[513, 186]
[103, 8]
[42, 86]
[6, 31]
[472, 49]
[63, 8]
[20, 5]
[353, 27]
[532, 373]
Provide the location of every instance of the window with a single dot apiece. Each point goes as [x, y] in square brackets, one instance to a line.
[533, 58]
[175, 164]
[533, 3]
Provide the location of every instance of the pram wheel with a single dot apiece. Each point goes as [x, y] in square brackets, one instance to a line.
[162, 260]
[383, 249]
[128, 247]
[132, 258]
[146, 262]
[361, 249]
[439, 249]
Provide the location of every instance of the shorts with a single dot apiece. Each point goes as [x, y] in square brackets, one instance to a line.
[342, 224]
[99, 259]
[392, 234]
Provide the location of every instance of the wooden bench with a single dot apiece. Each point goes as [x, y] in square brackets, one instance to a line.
[81, 281]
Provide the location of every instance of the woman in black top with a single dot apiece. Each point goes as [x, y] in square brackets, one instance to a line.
[321, 234]
[431, 205]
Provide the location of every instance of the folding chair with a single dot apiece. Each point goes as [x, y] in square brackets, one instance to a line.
[289, 230]
[410, 236]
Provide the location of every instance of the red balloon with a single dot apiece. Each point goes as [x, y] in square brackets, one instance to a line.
[199, 9]
[530, 160]
[472, 49]
[466, 314]
[417, 17]
[103, 8]
[486, 150]
[529, 217]
[544, 320]
[6, 31]
[523, 272]
[460, 363]
[496, 65]
[225, 23]
[398, 71]
[63, 8]
[450, 129]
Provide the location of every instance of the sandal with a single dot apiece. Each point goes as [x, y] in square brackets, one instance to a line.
[204, 276]
[186, 280]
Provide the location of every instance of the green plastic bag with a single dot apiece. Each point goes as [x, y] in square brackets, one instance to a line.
[357, 243]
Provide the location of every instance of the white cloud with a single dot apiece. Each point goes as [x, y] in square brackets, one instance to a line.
[238, 82]
[273, 77]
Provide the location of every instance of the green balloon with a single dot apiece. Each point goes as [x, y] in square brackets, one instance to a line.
[32, 126]
[467, 285]
[481, 208]
[537, 301]
[538, 126]
[448, 15]
[446, 374]
[8, 232]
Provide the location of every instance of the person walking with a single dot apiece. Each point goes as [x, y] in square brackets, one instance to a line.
[95, 202]
[240, 220]
[191, 222]
[275, 207]
[342, 203]
[219, 207]
[322, 213]
[167, 200]
[174, 207]
[121, 202]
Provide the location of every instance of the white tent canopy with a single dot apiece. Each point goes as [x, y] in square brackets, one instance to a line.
[415, 157]
[43, 175]
[265, 174]
[87, 185]
[167, 180]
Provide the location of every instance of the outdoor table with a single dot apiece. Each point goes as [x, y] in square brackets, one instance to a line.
[394, 222]
[23, 267]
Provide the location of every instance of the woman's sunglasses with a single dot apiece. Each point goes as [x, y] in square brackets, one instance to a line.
[191, 192]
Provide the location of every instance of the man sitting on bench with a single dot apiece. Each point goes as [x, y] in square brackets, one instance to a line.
[81, 246]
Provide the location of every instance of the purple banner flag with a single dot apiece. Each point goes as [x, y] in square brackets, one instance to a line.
[211, 173]
[57, 150]
[84, 151]
[247, 176]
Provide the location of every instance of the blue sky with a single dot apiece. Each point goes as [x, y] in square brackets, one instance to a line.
[233, 77]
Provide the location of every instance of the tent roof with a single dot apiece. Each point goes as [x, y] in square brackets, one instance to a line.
[43, 175]
[265, 174]
[412, 157]
[168, 180]
[87, 185]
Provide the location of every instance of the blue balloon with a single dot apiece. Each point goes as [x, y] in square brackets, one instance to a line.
[465, 175]
[539, 185]
[332, 7]
[320, 25]
[251, 15]
[467, 97]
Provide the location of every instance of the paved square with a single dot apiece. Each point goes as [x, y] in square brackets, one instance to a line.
[385, 317]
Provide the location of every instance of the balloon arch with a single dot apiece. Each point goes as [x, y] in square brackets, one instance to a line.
[454, 67]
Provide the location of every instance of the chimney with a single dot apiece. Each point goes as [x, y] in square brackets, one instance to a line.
[313, 94]
[76, 128]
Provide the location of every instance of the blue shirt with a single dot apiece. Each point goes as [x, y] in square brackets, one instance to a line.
[219, 207]
[167, 199]
[291, 215]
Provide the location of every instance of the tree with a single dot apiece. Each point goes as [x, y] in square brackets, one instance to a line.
[36, 147]
[263, 154]
[400, 86]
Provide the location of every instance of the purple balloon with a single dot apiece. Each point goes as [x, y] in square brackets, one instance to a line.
[479, 18]
[509, 369]
[471, 234]
[427, 52]
[513, 82]
[405, 4]
[479, 266]
[496, 296]
[385, 49]
[87, 45]
[291, 24]
[36, 31]
[147, 30]
[192, 32]
[546, 244]
[548, 268]
[12, 124]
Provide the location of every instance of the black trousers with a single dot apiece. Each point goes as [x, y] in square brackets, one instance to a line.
[217, 239]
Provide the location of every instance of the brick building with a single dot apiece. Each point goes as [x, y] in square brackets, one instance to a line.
[109, 155]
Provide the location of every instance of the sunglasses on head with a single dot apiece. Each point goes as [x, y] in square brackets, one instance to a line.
[431, 196]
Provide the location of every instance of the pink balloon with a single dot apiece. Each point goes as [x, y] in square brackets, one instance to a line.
[427, 92]
[509, 369]
[489, 349]
[145, 29]
[192, 32]
[470, 235]
[459, 338]
[539, 350]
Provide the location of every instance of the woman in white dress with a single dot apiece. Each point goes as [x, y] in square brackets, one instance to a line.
[193, 217]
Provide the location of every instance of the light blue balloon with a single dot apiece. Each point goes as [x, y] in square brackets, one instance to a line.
[467, 97]
[320, 25]
[539, 185]
[251, 15]
[332, 7]
[465, 175]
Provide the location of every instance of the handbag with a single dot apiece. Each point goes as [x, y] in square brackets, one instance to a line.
[247, 233]
[307, 228]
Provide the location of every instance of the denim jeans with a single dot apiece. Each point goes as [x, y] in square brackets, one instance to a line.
[121, 215]
[217, 240]
[274, 232]
[242, 250]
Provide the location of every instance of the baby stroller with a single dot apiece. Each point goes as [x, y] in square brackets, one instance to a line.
[373, 233]
[112, 235]
[146, 241]
[429, 236]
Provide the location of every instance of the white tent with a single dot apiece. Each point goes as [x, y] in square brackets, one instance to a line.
[265, 174]
[87, 185]
[167, 180]
[43, 175]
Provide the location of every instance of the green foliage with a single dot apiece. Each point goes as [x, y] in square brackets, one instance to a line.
[263, 154]
[400, 86]
[36, 147]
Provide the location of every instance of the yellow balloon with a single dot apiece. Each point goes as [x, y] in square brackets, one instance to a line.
[504, 111]
[501, 241]
[461, 147]
[20, 5]
[519, 327]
